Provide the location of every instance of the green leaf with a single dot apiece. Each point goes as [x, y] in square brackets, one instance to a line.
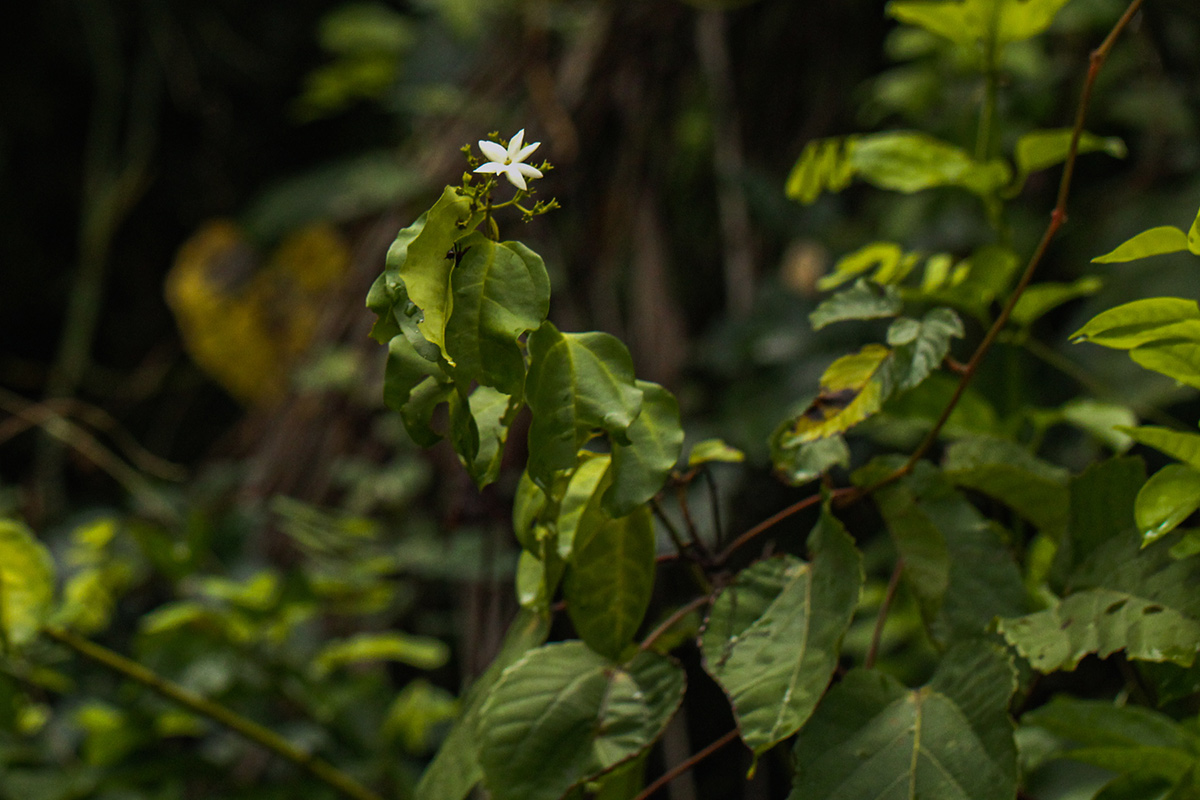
[1130, 740]
[26, 584]
[862, 301]
[1101, 501]
[655, 440]
[480, 427]
[422, 652]
[1101, 420]
[1133, 324]
[823, 166]
[952, 739]
[1177, 444]
[579, 384]
[797, 463]
[563, 714]
[586, 485]
[405, 370]
[1038, 150]
[1102, 621]
[610, 577]
[417, 412]
[388, 297]
[455, 769]
[1041, 298]
[425, 268]
[884, 258]
[500, 292]
[971, 23]
[714, 451]
[1170, 496]
[956, 562]
[773, 637]
[1008, 472]
[1174, 358]
[920, 348]
[1193, 236]
[1154, 242]
[910, 161]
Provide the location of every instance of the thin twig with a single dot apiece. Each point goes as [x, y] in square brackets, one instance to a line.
[672, 531]
[320, 769]
[693, 533]
[714, 500]
[684, 766]
[670, 621]
[881, 617]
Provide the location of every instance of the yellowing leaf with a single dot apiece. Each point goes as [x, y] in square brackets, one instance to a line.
[26, 584]
[851, 391]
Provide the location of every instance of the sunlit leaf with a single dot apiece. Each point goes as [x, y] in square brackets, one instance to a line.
[579, 385]
[422, 652]
[1038, 150]
[655, 440]
[1154, 242]
[1133, 324]
[563, 714]
[455, 769]
[881, 257]
[823, 166]
[1177, 444]
[951, 739]
[772, 637]
[862, 301]
[26, 584]
[1169, 497]
[1175, 358]
[1101, 420]
[714, 451]
[583, 491]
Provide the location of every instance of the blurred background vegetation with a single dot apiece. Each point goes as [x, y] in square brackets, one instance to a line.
[198, 195]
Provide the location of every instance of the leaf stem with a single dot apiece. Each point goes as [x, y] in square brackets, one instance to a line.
[881, 617]
[670, 621]
[684, 766]
[316, 767]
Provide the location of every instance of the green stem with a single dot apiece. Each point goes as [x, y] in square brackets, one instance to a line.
[318, 768]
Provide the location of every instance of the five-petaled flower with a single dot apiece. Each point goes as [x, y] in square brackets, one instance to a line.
[508, 162]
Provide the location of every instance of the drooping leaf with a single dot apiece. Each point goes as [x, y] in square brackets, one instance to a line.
[455, 769]
[1170, 496]
[404, 371]
[862, 301]
[563, 714]
[852, 388]
[920, 347]
[655, 440]
[501, 290]
[610, 577]
[26, 584]
[417, 412]
[714, 451]
[1008, 472]
[1154, 242]
[952, 739]
[422, 652]
[1041, 298]
[583, 491]
[773, 637]
[797, 463]
[1133, 324]
[579, 384]
[388, 297]
[1102, 621]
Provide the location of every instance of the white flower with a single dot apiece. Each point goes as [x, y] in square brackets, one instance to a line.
[508, 162]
